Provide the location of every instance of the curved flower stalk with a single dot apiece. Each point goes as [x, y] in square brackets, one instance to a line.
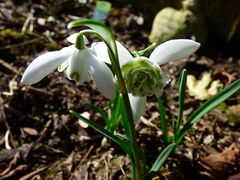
[142, 75]
[79, 63]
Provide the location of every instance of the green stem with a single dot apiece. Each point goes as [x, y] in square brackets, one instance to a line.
[138, 169]
[137, 166]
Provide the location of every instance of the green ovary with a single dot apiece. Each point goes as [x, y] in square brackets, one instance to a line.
[142, 77]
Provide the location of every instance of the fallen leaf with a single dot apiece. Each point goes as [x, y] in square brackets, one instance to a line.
[217, 165]
[234, 177]
[30, 131]
[235, 109]
[224, 77]
[81, 123]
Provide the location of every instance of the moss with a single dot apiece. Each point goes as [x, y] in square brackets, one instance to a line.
[8, 36]
[233, 118]
[14, 43]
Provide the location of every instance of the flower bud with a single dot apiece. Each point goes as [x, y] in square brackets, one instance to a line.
[143, 77]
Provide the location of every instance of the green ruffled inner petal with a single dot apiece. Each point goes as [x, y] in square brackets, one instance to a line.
[142, 77]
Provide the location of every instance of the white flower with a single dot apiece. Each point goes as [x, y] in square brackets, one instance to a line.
[79, 64]
[152, 80]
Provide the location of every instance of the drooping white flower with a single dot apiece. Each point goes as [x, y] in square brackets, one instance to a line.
[79, 64]
[142, 75]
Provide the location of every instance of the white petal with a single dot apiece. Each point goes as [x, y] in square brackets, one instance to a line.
[138, 105]
[123, 54]
[72, 38]
[69, 49]
[43, 65]
[173, 50]
[77, 68]
[101, 51]
[101, 74]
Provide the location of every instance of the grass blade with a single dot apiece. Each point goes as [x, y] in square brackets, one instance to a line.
[182, 88]
[161, 159]
[163, 119]
[101, 112]
[104, 132]
[209, 105]
[124, 119]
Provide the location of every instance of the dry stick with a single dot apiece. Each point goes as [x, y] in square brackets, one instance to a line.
[19, 44]
[3, 115]
[81, 162]
[8, 67]
[33, 173]
[27, 21]
[35, 90]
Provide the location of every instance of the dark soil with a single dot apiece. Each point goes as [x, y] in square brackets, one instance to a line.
[46, 142]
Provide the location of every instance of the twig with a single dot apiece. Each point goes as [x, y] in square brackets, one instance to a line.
[3, 115]
[82, 161]
[27, 21]
[19, 44]
[37, 91]
[37, 171]
[8, 67]
[6, 139]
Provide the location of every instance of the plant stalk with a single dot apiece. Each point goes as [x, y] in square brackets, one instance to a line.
[138, 168]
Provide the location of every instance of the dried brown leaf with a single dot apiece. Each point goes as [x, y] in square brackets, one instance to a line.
[217, 165]
[30, 131]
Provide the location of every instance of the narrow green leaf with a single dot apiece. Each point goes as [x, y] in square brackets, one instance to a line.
[125, 119]
[161, 159]
[173, 126]
[163, 119]
[124, 144]
[182, 88]
[209, 105]
[115, 111]
[101, 112]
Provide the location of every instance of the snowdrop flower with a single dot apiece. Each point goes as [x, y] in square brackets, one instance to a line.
[80, 64]
[142, 75]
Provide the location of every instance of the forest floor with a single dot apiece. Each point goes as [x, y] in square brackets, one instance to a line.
[46, 142]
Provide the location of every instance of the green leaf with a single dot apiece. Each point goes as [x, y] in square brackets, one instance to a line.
[163, 119]
[115, 111]
[125, 119]
[209, 105]
[124, 144]
[101, 112]
[182, 88]
[161, 159]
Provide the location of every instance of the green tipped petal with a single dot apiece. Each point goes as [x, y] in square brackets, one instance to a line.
[63, 66]
[77, 69]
